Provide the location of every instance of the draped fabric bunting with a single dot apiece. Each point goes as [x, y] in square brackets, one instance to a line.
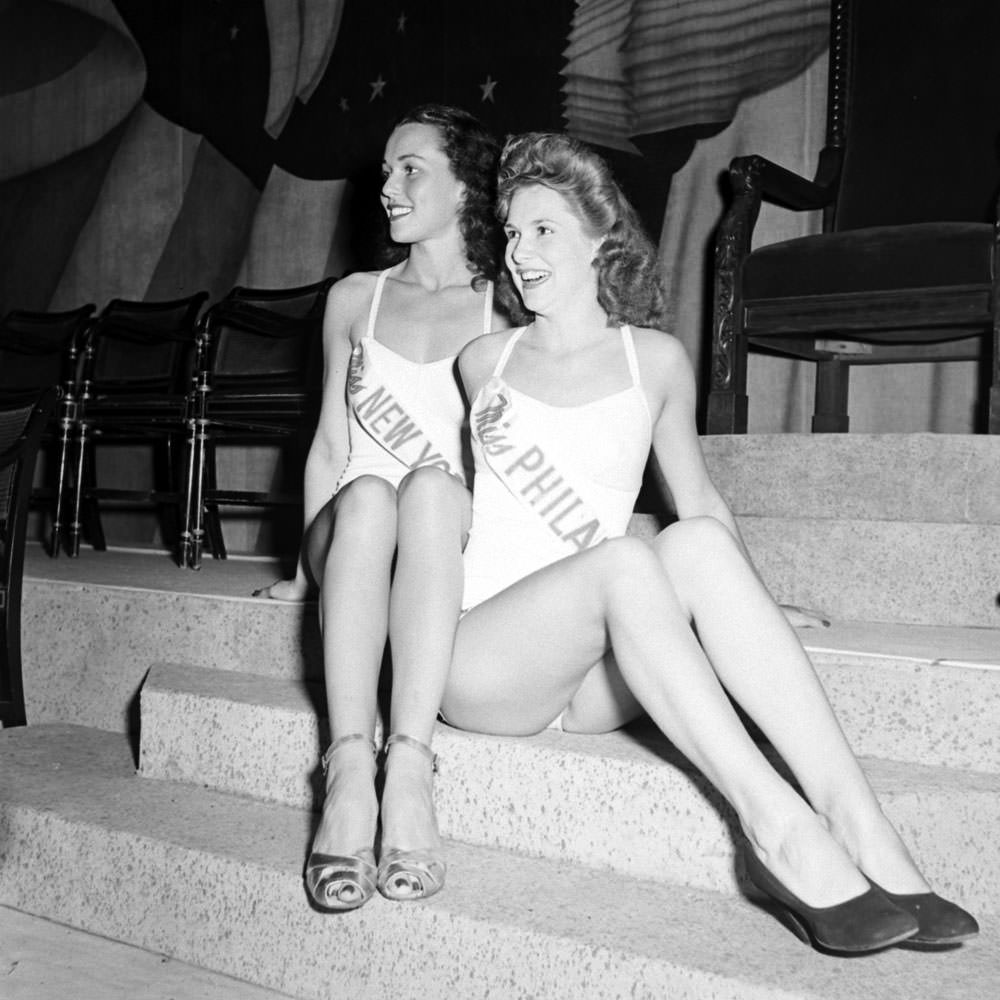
[155, 147]
[301, 36]
[71, 78]
[596, 92]
[636, 67]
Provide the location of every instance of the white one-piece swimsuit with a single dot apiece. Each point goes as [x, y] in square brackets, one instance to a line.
[549, 480]
[403, 414]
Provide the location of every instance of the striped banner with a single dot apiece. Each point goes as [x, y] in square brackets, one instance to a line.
[636, 67]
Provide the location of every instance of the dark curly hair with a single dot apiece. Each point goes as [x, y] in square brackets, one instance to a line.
[472, 154]
[628, 279]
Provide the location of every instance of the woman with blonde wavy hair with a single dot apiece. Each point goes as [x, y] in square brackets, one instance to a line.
[568, 623]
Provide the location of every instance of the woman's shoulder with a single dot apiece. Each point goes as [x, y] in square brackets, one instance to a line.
[665, 367]
[658, 349]
[479, 356]
[487, 345]
[353, 287]
[350, 298]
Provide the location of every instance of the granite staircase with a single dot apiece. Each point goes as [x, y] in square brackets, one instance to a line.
[163, 793]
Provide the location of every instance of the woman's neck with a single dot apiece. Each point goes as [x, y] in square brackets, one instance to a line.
[435, 265]
[571, 327]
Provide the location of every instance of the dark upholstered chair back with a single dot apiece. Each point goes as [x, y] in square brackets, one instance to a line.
[922, 101]
[905, 270]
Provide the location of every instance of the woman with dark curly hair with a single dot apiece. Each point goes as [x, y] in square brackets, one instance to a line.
[569, 624]
[391, 404]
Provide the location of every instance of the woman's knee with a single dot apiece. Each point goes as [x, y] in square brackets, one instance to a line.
[695, 543]
[366, 494]
[366, 505]
[427, 483]
[429, 494]
[626, 561]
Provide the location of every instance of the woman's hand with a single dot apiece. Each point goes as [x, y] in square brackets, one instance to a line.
[804, 617]
[296, 590]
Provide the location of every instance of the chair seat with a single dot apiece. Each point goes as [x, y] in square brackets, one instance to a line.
[924, 255]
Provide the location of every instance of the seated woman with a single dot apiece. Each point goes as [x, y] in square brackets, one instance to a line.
[391, 403]
[567, 623]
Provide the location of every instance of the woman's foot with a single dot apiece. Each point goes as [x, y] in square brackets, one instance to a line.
[863, 923]
[877, 849]
[880, 853]
[940, 923]
[818, 890]
[340, 872]
[411, 865]
[291, 591]
[808, 862]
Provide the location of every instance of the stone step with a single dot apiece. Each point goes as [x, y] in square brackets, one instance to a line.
[87, 642]
[926, 694]
[925, 478]
[892, 528]
[899, 691]
[623, 800]
[46, 960]
[882, 571]
[215, 880]
[92, 627]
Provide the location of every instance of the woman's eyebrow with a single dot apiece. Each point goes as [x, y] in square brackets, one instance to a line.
[406, 156]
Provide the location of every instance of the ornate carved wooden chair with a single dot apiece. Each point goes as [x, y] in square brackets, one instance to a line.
[905, 269]
[259, 373]
[38, 350]
[23, 417]
[135, 388]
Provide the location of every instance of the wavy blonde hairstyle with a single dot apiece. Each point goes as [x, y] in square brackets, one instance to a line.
[628, 279]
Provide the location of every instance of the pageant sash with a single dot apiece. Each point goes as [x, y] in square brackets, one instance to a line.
[389, 420]
[530, 470]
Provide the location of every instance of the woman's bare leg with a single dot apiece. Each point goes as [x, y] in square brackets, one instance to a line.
[349, 549]
[762, 664]
[522, 656]
[434, 511]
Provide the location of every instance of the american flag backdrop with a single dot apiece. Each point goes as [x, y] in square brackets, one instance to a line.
[226, 129]
[154, 148]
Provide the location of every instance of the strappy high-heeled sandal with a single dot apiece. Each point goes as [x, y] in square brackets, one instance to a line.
[410, 874]
[337, 882]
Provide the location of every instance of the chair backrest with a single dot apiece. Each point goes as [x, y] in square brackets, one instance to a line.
[18, 434]
[39, 349]
[266, 336]
[23, 417]
[915, 105]
[142, 346]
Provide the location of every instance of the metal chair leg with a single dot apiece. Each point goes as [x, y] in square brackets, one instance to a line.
[66, 422]
[196, 525]
[75, 526]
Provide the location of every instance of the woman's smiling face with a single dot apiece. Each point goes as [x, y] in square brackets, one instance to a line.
[420, 193]
[549, 252]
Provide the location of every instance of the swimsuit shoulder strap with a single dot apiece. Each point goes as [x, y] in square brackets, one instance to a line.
[633, 361]
[376, 299]
[488, 308]
[507, 348]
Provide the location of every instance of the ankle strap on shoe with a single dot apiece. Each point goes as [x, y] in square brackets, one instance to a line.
[338, 743]
[409, 741]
